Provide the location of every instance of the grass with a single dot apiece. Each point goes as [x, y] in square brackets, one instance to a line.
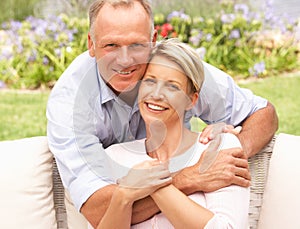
[283, 93]
[22, 114]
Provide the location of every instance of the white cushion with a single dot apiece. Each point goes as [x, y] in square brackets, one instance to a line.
[26, 193]
[281, 203]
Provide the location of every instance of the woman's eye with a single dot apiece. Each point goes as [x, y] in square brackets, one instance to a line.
[173, 86]
[149, 81]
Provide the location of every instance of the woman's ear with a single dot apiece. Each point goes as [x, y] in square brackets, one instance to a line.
[91, 45]
[194, 98]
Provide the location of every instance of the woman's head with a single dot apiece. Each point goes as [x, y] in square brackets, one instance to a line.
[171, 83]
[185, 57]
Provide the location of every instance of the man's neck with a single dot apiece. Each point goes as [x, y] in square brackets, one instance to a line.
[129, 97]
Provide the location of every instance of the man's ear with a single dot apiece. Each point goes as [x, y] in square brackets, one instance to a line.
[154, 38]
[194, 98]
[91, 45]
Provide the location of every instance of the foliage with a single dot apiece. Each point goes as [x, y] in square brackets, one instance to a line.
[239, 41]
[17, 9]
[36, 51]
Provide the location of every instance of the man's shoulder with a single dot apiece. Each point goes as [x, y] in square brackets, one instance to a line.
[82, 62]
[81, 75]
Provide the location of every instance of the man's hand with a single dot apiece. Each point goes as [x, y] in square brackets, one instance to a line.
[211, 131]
[230, 167]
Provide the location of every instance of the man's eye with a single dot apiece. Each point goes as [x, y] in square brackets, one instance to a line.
[138, 46]
[110, 47]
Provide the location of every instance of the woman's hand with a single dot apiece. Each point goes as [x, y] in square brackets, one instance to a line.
[144, 179]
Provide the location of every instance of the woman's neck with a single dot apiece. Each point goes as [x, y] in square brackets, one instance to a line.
[164, 142]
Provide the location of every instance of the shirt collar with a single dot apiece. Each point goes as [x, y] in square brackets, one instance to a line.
[106, 94]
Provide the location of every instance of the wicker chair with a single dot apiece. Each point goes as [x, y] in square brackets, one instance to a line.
[259, 165]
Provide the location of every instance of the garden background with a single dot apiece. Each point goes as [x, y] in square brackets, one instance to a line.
[256, 42]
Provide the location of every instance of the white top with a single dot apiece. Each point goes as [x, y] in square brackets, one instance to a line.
[230, 205]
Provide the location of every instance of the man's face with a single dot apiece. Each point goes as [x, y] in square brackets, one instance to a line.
[121, 45]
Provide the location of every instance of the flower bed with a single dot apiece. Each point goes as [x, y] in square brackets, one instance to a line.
[35, 52]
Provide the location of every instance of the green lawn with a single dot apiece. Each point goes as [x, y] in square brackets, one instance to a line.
[22, 114]
[283, 93]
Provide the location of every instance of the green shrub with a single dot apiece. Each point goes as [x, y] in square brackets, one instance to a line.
[237, 40]
[37, 51]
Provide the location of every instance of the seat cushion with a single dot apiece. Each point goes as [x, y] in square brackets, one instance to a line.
[281, 201]
[26, 193]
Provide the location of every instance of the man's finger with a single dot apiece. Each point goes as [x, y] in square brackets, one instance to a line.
[239, 153]
[243, 173]
[240, 181]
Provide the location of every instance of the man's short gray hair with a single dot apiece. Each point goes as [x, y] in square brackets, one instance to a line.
[98, 4]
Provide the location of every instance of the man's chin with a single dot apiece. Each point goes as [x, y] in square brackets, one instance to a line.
[118, 89]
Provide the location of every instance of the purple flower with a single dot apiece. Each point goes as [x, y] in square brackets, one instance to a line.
[201, 51]
[2, 84]
[227, 18]
[234, 34]
[208, 37]
[241, 8]
[177, 14]
[258, 68]
[195, 40]
[45, 60]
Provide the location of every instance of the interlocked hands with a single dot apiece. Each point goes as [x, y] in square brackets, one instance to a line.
[145, 178]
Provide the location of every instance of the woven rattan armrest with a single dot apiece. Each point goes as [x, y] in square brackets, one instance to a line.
[259, 166]
[59, 199]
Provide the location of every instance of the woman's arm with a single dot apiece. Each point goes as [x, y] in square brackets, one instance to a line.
[118, 214]
[141, 181]
[180, 210]
[224, 208]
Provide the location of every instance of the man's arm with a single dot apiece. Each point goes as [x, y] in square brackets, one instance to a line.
[96, 205]
[258, 129]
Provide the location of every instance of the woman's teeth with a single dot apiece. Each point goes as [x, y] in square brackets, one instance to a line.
[155, 107]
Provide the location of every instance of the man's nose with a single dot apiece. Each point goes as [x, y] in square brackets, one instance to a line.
[124, 56]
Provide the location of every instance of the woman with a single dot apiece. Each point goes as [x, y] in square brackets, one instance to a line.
[169, 88]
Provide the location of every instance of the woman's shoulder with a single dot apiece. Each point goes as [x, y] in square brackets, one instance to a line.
[229, 140]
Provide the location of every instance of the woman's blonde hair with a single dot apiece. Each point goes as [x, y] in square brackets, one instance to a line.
[185, 57]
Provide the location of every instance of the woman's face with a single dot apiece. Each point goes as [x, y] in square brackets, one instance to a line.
[165, 93]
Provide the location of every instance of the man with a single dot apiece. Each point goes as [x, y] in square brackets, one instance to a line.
[93, 105]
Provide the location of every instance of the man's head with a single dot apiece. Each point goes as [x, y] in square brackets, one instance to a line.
[120, 38]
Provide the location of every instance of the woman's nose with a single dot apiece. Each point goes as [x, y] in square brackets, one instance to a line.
[158, 91]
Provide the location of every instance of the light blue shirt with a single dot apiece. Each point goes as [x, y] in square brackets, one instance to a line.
[85, 117]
